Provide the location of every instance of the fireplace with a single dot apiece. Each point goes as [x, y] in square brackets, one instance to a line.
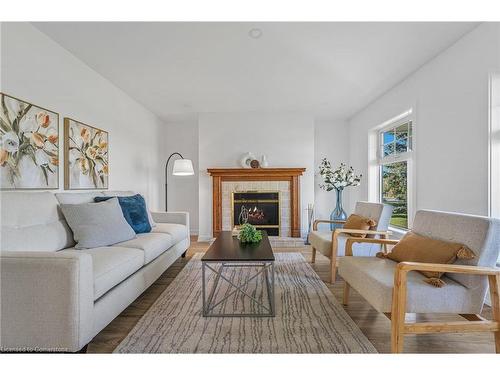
[259, 208]
[225, 181]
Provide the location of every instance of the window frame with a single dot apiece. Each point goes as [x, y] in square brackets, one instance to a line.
[494, 147]
[408, 157]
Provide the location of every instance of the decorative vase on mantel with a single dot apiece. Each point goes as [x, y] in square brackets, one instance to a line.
[338, 212]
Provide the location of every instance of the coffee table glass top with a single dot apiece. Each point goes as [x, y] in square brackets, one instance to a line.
[228, 248]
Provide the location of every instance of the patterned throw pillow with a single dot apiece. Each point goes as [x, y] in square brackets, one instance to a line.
[134, 210]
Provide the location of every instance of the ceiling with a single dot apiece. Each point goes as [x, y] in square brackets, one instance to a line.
[331, 70]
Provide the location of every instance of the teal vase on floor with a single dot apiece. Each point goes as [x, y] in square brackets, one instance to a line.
[338, 212]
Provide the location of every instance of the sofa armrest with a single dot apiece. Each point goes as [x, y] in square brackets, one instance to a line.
[171, 217]
[47, 301]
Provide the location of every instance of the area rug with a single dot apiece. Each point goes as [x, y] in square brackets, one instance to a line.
[308, 317]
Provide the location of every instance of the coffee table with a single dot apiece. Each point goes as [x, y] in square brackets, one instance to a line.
[227, 252]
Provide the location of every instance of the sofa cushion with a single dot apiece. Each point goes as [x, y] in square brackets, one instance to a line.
[128, 193]
[32, 222]
[373, 278]
[178, 232]
[151, 244]
[134, 210]
[97, 224]
[112, 265]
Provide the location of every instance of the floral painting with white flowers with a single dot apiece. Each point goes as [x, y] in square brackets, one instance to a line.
[29, 145]
[86, 156]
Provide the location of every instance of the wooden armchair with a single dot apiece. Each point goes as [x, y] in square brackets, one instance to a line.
[395, 289]
[332, 243]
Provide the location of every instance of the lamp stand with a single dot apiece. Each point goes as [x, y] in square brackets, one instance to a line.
[166, 177]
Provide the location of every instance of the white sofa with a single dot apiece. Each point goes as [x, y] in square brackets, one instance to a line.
[56, 298]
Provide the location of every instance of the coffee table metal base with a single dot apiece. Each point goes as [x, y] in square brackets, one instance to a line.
[264, 268]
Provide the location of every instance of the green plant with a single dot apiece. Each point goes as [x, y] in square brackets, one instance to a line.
[249, 234]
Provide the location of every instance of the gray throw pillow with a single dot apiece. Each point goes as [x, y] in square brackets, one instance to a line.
[97, 224]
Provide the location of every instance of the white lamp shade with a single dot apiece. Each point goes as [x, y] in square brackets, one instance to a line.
[183, 167]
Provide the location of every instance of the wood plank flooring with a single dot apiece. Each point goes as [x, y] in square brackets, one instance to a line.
[373, 324]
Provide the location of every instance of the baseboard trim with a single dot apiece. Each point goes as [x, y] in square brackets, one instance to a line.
[204, 238]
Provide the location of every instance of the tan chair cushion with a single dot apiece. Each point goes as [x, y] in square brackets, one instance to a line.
[373, 278]
[417, 248]
[359, 222]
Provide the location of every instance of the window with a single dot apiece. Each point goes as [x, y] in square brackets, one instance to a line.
[494, 166]
[395, 154]
[494, 194]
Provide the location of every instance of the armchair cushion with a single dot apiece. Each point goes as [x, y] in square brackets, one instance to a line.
[373, 278]
[322, 242]
[422, 249]
[359, 222]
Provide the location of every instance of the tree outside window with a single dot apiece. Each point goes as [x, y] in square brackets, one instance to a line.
[395, 145]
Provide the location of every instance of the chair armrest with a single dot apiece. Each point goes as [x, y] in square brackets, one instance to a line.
[353, 240]
[451, 268]
[316, 222]
[47, 300]
[399, 294]
[171, 217]
[362, 231]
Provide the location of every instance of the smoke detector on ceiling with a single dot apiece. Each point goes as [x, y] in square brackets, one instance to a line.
[255, 33]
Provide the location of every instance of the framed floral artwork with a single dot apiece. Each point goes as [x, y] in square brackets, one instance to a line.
[29, 145]
[86, 158]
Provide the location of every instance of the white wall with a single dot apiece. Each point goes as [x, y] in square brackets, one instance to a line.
[182, 137]
[38, 70]
[286, 139]
[331, 141]
[450, 98]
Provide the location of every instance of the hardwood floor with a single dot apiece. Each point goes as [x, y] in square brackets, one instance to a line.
[373, 324]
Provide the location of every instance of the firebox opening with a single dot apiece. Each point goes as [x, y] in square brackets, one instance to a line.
[259, 208]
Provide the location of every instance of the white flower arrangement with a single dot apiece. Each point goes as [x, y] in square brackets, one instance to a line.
[339, 178]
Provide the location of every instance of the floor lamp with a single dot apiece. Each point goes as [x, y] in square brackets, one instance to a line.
[182, 167]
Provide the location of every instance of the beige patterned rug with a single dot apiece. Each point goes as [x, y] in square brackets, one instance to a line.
[308, 317]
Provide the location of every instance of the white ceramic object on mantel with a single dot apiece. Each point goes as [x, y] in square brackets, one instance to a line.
[263, 161]
[246, 160]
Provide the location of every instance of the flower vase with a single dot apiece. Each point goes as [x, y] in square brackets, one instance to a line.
[338, 212]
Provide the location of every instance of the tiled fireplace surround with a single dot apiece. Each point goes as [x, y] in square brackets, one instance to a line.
[283, 187]
[227, 182]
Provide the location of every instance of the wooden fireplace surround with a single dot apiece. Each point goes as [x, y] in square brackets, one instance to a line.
[291, 175]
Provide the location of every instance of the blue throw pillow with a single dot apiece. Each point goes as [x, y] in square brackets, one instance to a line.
[134, 210]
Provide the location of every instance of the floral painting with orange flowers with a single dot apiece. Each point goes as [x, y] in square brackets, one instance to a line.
[86, 156]
[29, 145]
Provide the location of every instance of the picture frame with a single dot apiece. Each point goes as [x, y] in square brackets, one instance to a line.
[29, 145]
[86, 156]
